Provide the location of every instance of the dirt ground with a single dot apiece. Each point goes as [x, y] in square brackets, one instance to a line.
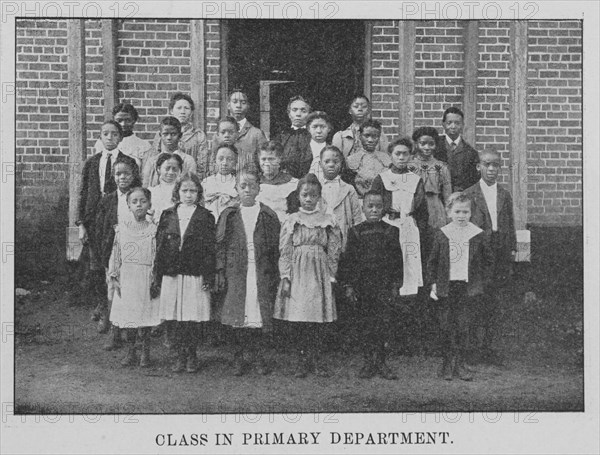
[60, 366]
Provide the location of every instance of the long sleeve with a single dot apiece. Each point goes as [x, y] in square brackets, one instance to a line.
[433, 260]
[286, 249]
[334, 248]
[357, 213]
[222, 241]
[204, 160]
[114, 264]
[420, 211]
[101, 215]
[347, 269]
[512, 235]
[396, 263]
[83, 192]
[445, 183]
[210, 243]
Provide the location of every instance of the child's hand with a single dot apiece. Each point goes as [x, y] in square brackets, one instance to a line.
[154, 289]
[433, 293]
[116, 285]
[351, 295]
[83, 237]
[220, 282]
[286, 287]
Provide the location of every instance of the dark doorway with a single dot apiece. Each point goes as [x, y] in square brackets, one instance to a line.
[325, 59]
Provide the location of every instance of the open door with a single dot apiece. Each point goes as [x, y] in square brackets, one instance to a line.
[324, 59]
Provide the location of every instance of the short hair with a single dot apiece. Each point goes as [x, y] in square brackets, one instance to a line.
[171, 121]
[238, 90]
[315, 115]
[452, 110]
[309, 179]
[360, 96]
[127, 109]
[489, 151]
[114, 123]
[232, 148]
[165, 156]
[405, 141]
[297, 98]
[372, 193]
[332, 148]
[229, 119]
[188, 177]
[248, 169]
[272, 146]
[370, 123]
[181, 96]
[425, 131]
[146, 191]
[135, 170]
[456, 198]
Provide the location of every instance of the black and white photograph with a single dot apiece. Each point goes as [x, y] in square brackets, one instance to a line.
[310, 226]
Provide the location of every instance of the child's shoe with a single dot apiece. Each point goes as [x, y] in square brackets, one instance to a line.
[303, 366]
[445, 371]
[383, 369]
[131, 358]
[368, 370]
[319, 368]
[460, 371]
[180, 363]
[145, 357]
[192, 361]
[238, 364]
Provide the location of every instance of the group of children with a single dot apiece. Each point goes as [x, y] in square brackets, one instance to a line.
[257, 230]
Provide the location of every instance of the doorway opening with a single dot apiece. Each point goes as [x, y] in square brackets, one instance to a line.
[323, 59]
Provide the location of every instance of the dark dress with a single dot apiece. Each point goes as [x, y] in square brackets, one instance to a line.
[297, 155]
[372, 265]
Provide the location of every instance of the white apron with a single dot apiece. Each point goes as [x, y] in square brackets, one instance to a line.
[403, 187]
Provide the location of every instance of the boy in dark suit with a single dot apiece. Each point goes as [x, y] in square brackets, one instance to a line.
[371, 270]
[97, 181]
[297, 155]
[249, 138]
[462, 159]
[493, 212]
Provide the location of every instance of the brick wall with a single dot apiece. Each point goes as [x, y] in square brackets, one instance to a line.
[41, 137]
[385, 91]
[154, 61]
[554, 122]
[439, 69]
[554, 100]
[493, 94]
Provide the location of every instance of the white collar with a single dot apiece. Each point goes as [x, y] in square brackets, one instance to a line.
[456, 141]
[113, 153]
[298, 127]
[325, 181]
[486, 187]
[242, 123]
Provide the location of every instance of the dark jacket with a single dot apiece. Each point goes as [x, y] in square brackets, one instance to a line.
[90, 192]
[505, 241]
[232, 258]
[297, 156]
[480, 263]
[462, 163]
[197, 254]
[106, 219]
[372, 261]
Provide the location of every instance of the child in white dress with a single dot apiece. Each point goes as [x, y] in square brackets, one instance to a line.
[185, 268]
[130, 274]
